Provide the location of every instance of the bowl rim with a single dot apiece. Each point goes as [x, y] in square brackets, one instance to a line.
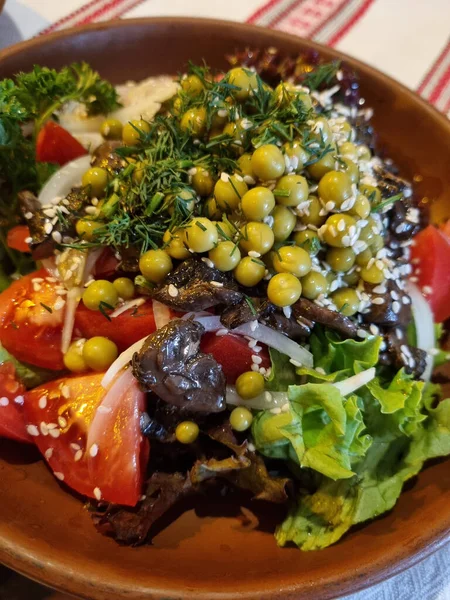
[37, 567]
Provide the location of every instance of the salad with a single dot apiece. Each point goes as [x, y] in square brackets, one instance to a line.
[212, 282]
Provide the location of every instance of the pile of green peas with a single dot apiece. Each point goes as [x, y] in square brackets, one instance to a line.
[282, 215]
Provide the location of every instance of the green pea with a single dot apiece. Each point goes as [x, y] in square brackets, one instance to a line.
[341, 259]
[346, 301]
[284, 222]
[291, 190]
[313, 285]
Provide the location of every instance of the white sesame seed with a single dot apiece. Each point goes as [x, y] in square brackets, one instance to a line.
[62, 422]
[251, 447]
[59, 304]
[55, 433]
[378, 300]
[362, 333]
[57, 237]
[28, 215]
[251, 343]
[427, 289]
[68, 275]
[257, 360]
[295, 362]
[19, 399]
[32, 430]
[172, 290]
[93, 450]
[104, 409]
[346, 240]
[396, 306]
[253, 325]
[48, 453]
[78, 455]
[61, 291]
[91, 210]
[216, 284]
[4, 401]
[249, 179]
[37, 287]
[287, 310]
[208, 262]
[59, 475]
[332, 230]
[374, 329]
[48, 227]
[52, 425]
[224, 177]
[43, 428]
[286, 407]
[28, 240]
[341, 225]
[275, 411]
[74, 446]
[406, 300]
[254, 367]
[330, 205]
[254, 254]
[42, 402]
[221, 332]
[379, 289]
[257, 349]
[222, 112]
[97, 493]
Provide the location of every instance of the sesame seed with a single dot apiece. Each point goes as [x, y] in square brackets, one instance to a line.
[37, 287]
[341, 225]
[254, 367]
[251, 447]
[346, 240]
[378, 300]
[374, 329]
[78, 455]
[216, 284]
[287, 310]
[406, 300]
[208, 262]
[4, 401]
[68, 275]
[43, 428]
[257, 349]
[59, 304]
[251, 343]
[48, 453]
[262, 371]
[55, 433]
[396, 306]
[222, 112]
[268, 396]
[173, 291]
[59, 475]
[28, 215]
[32, 430]
[61, 291]
[275, 411]
[19, 399]
[362, 333]
[104, 409]
[28, 240]
[332, 230]
[42, 402]
[379, 289]
[254, 254]
[91, 210]
[93, 450]
[221, 332]
[48, 227]
[286, 407]
[379, 264]
[257, 360]
[249, 179]
[62, 422]
[295, 362]
[74, 446]
[57, 237]
[224, 177]
[253, 325]
[97, 493]
[427, 289]
[330, 205]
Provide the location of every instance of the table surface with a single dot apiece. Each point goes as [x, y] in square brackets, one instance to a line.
[407, 39]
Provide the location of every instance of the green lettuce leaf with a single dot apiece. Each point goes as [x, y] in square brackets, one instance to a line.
[29, 375]
[282, 373]
[322, 518]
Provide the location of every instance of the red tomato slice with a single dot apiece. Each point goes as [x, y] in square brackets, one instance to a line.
[12, 423]
[16, 238]
[56, 145]
[233, 353]
[27, 328]
[430, 254]
[91, 439]
[124, 330]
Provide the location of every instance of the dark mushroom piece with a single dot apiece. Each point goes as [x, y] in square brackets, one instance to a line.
[105, 156]
[171, 366]
[402, 355]
[305, 309]
[195, 286]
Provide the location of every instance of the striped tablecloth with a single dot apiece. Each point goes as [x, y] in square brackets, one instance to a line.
[408, 39]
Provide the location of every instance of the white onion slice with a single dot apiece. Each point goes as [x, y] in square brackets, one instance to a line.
[276, 340]
[126, 306]
[77, 124]
[72, 300]
[351, 384]
[89, 141]
[121, 361]
[424, 322]
[269, 400]
[61, 182]
[264, 401]
[162, 314]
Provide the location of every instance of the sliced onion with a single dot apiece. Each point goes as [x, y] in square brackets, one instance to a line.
[90, 141]
[126, 306]
[121, 361]
[351, 384]
[264, 401]
[91, 260]
[78, 125]
[424, 322]
[210, 322]
[61, 182]
[72, 300]
[162, 314]
[276, 340]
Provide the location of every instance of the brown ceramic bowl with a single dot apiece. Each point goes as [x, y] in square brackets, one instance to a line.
[44, 531]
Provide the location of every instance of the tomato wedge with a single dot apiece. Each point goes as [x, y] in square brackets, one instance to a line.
[12, 423]
[233, 353]
[124, 330]
[16, 238]
[56, 145]
[31, 323]
[91, 438]
[106, 265]
[430, 254]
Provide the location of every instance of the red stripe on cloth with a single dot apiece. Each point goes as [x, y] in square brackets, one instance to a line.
[95, 16]
[440, 86]
[329, 19]
[120, 13]
[351, 23]
[262, 11]
[426, 80]
[285, 13]
[75, 13]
